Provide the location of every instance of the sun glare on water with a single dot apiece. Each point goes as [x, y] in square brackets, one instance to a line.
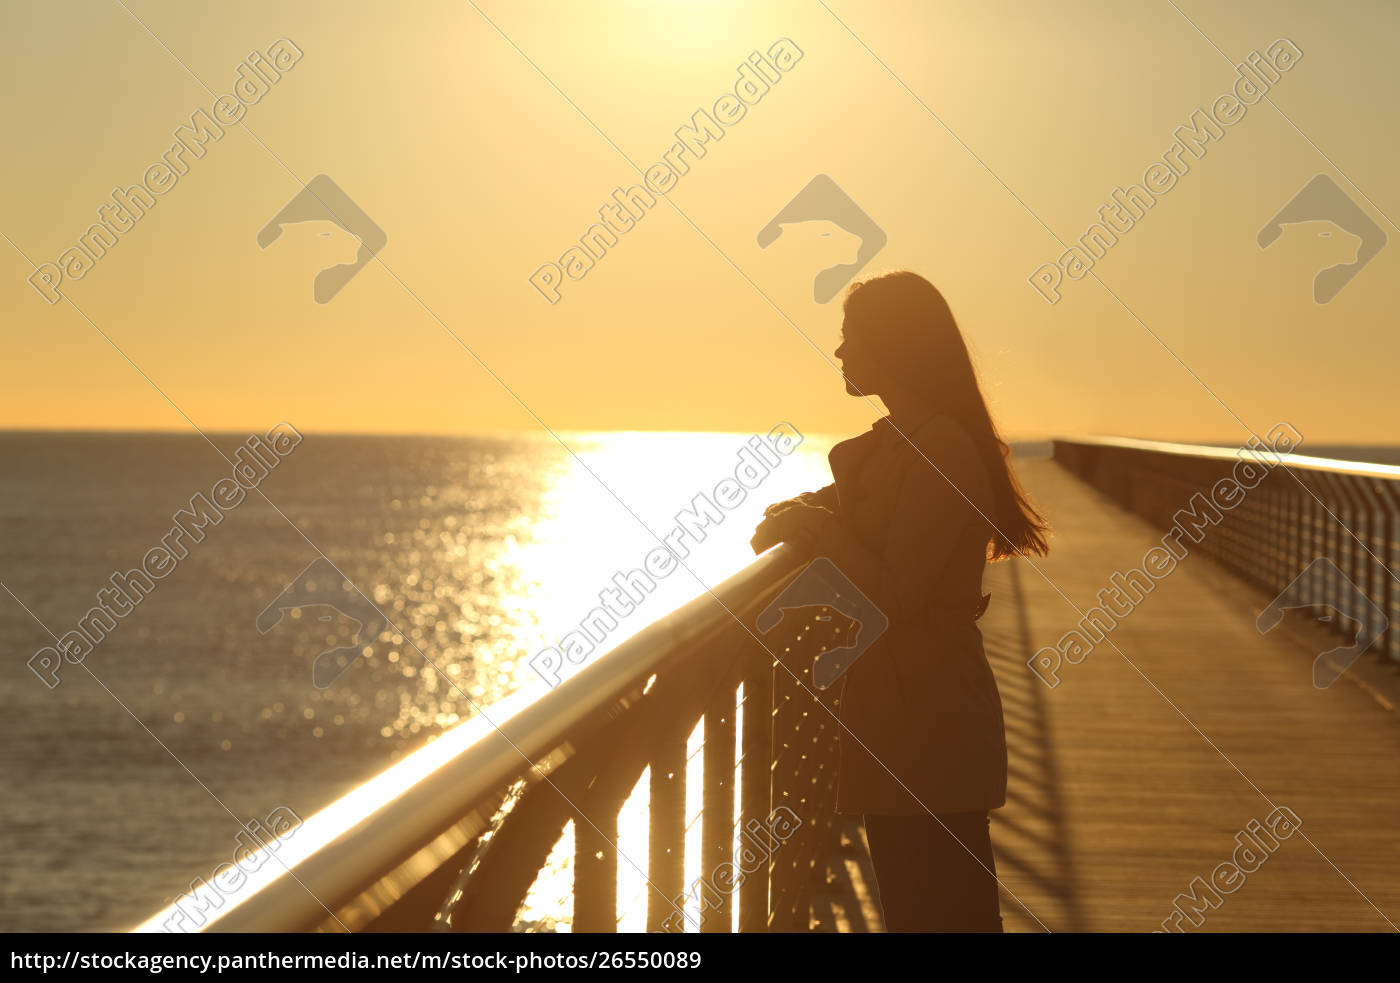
[607, 510]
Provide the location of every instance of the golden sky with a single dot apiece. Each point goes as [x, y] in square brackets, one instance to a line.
[483, 139]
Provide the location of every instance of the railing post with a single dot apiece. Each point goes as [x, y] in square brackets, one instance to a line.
[717, 820]
[595, 873]
[756, 777]
[666, 841]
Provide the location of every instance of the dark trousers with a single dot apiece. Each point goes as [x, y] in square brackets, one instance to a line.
[935, 874]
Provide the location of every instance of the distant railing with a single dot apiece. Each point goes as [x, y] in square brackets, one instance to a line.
[1304, 509]
[453, 837]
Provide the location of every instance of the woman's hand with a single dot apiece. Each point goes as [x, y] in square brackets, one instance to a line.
[802, 526]
[806, 498]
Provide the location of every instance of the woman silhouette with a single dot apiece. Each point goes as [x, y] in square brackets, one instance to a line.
[919, 504]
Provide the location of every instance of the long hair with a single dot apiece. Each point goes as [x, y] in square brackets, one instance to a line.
[913, 337]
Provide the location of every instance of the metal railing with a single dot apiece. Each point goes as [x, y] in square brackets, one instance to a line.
[453, 837]
[1305, 508]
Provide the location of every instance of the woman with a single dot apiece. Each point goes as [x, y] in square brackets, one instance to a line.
[919, 504]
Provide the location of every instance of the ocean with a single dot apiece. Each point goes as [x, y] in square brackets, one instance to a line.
[122, 782]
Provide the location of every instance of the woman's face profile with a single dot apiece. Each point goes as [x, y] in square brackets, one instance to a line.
[856, 364]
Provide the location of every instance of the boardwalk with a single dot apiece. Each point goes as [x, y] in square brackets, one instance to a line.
[1133, 776]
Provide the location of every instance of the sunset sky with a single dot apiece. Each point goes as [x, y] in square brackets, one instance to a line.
[484, 147]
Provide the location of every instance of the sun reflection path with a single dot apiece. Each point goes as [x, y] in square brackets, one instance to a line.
[581, 538]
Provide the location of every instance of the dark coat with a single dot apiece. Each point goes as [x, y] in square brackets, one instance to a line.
[922, 700]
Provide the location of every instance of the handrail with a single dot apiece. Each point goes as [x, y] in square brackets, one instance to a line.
[1291, 460]
[1274, 533]
[418, 823]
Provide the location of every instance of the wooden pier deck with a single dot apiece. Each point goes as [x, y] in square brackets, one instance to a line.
[1132, 778]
